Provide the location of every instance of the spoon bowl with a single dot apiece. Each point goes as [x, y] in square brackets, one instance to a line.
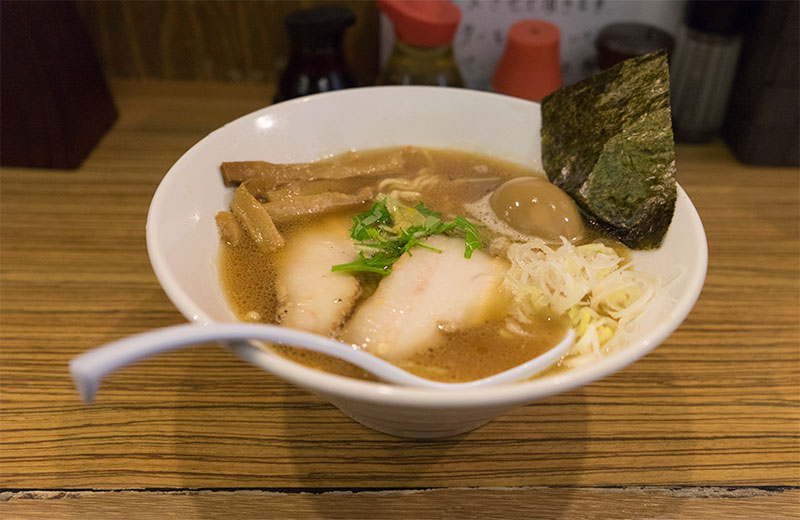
[89, 369]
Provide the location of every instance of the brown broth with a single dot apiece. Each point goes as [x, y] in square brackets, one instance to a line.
[475, 353]
[249, 285]
[248, 281]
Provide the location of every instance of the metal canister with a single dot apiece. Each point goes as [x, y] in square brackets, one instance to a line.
[703, 65]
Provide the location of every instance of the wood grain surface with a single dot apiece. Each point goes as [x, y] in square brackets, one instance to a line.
[706, 426]
[230, 40]
[484, 503]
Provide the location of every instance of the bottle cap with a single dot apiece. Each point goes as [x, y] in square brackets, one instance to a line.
[530, 67]
[319, 27]
[620, 41]
[422, 23]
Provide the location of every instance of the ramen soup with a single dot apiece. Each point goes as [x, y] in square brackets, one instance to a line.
[451, 265]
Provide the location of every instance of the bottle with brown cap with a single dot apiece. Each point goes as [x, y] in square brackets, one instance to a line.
[530, 67]
[423, 48]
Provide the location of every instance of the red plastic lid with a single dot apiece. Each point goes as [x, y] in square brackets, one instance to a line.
[422, 23]
[530, 67]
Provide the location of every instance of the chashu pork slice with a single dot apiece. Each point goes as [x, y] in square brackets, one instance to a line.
[310, 296]
[427, 294]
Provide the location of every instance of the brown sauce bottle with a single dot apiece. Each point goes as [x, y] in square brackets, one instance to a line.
[316, 63]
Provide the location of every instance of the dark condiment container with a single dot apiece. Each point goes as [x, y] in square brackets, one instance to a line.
[762, 125]
[56, 104]
[316, 63]
[621, 41]
[707, 48]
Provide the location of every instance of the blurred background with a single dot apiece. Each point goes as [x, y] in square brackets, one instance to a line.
[239, 40]
[248, 41]
[734, 65]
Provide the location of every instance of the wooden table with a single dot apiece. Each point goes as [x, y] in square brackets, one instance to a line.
[706, 426]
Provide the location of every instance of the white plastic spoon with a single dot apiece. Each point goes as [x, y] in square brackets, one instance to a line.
[91, 367]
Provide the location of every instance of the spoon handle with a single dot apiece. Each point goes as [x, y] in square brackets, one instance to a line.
[89, 369]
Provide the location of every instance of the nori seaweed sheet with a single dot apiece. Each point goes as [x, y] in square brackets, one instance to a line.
[607, 141]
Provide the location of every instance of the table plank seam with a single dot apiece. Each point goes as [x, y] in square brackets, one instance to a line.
[671, 490]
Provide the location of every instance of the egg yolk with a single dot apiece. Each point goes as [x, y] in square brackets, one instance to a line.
[537, 207]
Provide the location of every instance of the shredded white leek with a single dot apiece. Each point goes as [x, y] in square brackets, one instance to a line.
[591, 284]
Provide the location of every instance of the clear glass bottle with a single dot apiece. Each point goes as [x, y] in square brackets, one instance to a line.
[423, 48]
[411, 65]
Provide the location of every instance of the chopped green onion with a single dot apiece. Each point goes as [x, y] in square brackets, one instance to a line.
[374, 233]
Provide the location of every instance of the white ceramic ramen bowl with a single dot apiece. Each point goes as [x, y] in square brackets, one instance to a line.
[182, 238]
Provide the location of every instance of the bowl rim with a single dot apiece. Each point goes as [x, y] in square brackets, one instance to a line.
[336, 386]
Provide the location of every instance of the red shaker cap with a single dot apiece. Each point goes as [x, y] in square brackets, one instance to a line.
[530, 67]
[422, 23]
